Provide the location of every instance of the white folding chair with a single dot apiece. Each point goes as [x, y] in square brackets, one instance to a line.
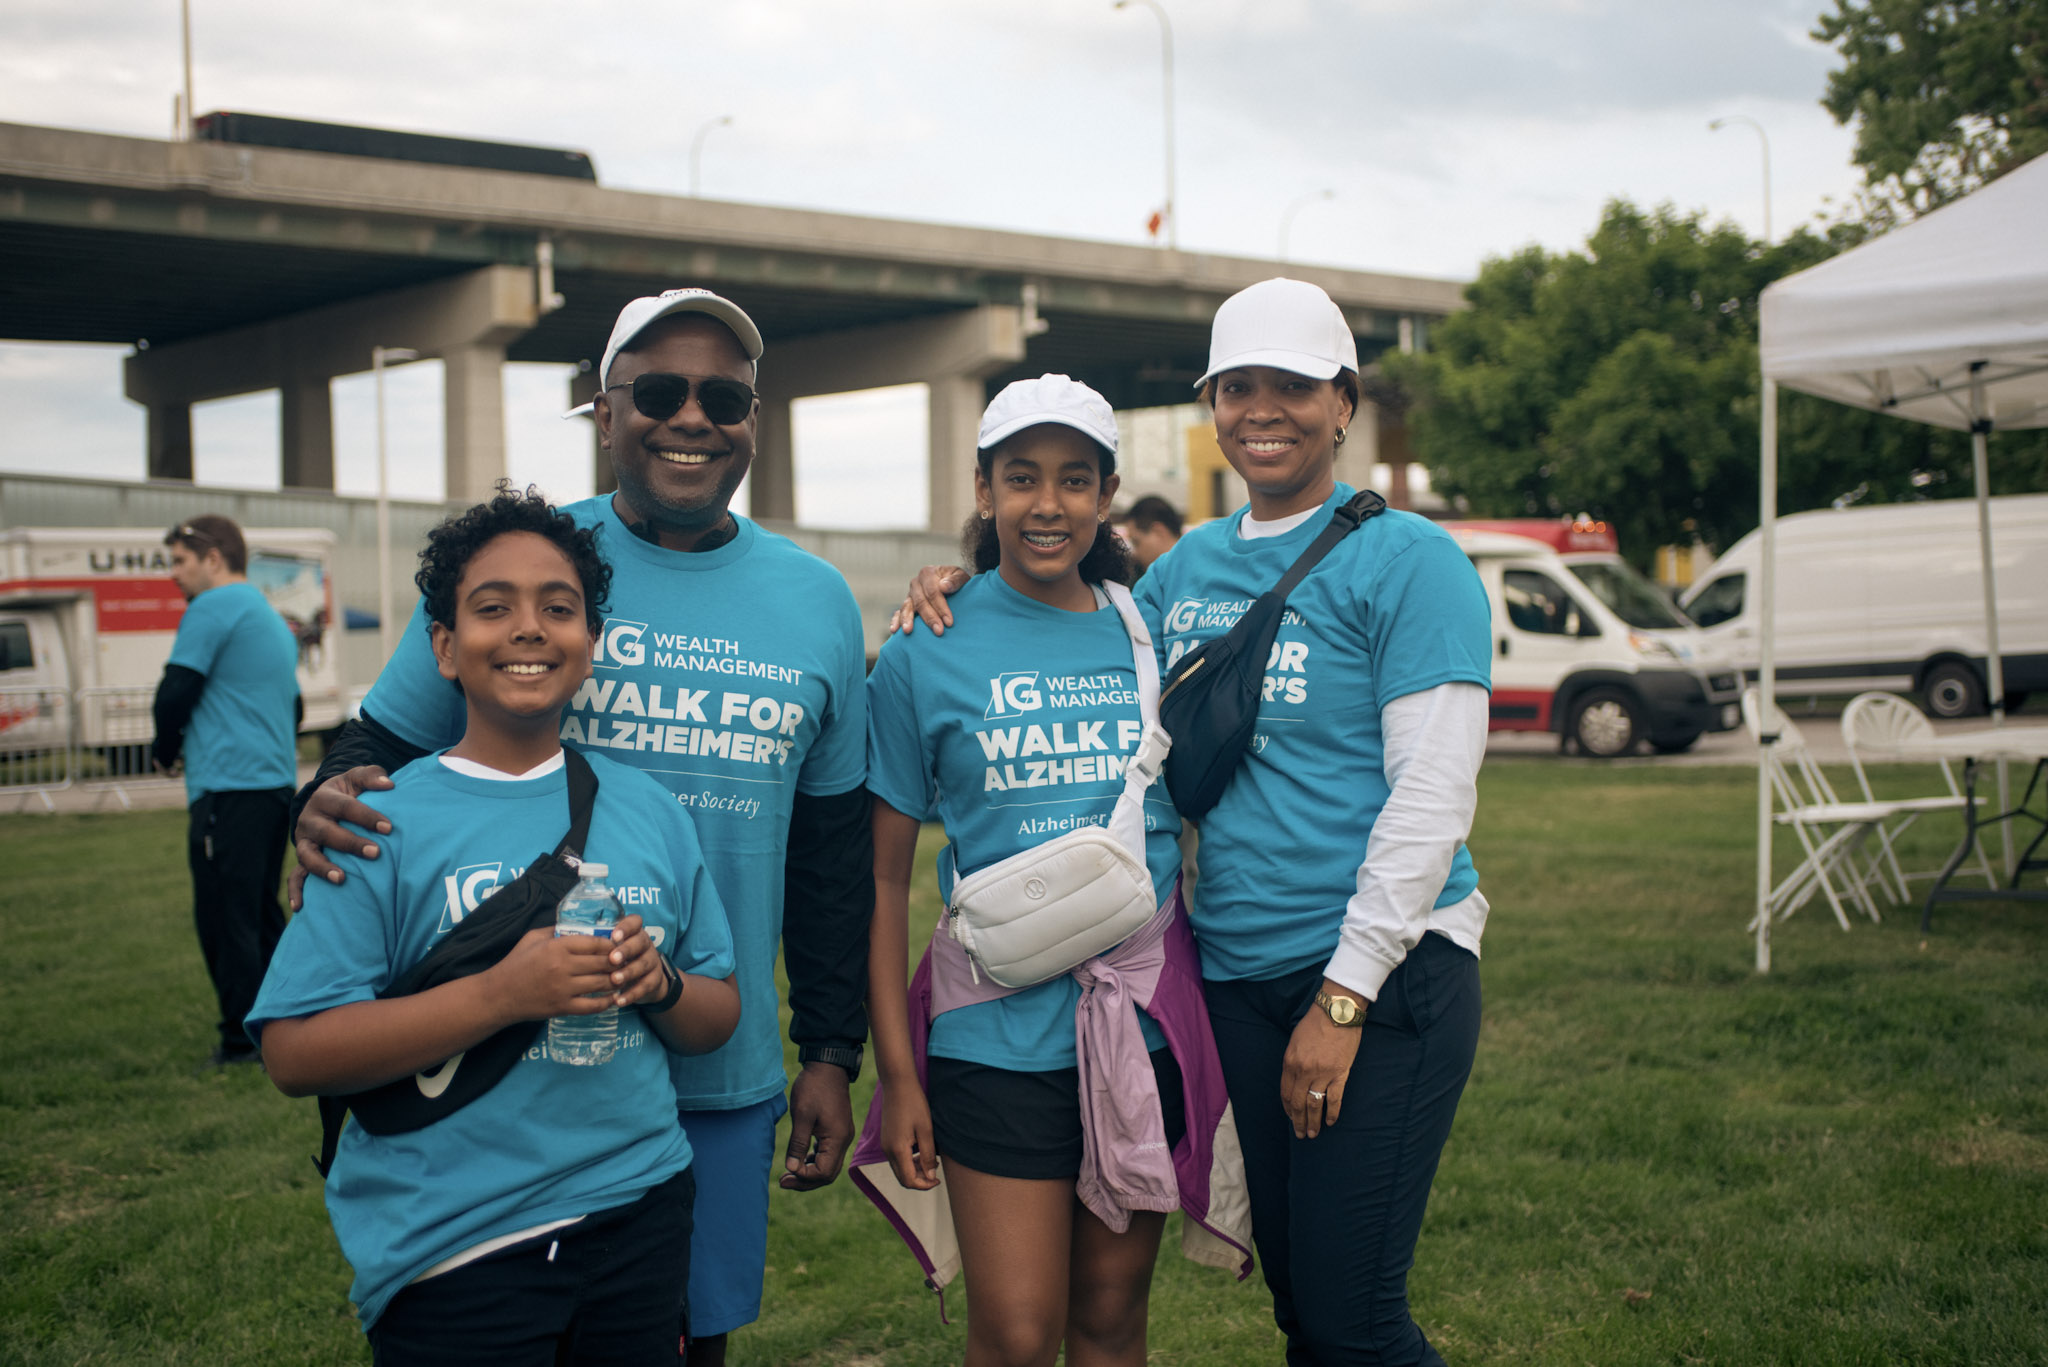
[1878, 721]
[1830, 832]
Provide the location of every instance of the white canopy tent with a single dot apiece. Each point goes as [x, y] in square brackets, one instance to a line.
[1943, 321]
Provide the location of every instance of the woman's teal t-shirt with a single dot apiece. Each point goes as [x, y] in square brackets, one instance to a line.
[1012, 729]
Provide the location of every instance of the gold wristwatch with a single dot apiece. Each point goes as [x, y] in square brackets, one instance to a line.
[1340, 1010]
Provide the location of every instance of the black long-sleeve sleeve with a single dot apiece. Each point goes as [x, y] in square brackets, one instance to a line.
[177, 694]
[362, 741]
[828, 900]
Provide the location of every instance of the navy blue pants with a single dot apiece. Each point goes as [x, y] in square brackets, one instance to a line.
[235, 843]
[1335, 1218]
[607, 1291]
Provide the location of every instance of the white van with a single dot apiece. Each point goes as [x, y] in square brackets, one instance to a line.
[1607, 670]
[1891, 598]
[87, 616]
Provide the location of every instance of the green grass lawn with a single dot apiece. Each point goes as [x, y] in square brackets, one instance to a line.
[1662, 1158]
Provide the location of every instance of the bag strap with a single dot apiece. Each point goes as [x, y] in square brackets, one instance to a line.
[1127, 819]
[582, 799]
[1348, 517]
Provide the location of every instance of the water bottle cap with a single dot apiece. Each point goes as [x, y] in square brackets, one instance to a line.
[591, 869]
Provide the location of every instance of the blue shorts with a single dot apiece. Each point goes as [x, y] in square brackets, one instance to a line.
[733, 1152]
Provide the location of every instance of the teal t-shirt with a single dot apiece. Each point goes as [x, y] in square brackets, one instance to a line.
[733, 678]
[1394, 609]
[1012, 729]
[551, 1141]
[241, 736]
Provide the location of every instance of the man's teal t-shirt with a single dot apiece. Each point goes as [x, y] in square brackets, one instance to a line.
[242, 735]
[1012, 729]
[1396, 608]
[551, 1141]
[732, 677]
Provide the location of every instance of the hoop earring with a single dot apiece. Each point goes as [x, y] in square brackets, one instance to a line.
[1340, 436]
[986, 516]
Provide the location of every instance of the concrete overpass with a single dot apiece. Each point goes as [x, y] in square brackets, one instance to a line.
[233, 269]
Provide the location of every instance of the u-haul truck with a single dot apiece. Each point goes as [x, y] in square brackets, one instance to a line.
[90, 613]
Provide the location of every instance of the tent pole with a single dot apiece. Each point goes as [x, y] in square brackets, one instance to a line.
[1994, 657]
[1767, 668]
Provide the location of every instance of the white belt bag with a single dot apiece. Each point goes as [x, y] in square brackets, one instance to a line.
[1038, 913]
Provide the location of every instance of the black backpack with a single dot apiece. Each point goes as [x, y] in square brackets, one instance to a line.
[1209, 703]
[482, 938]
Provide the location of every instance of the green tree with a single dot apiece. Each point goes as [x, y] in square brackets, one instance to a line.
[1621, 381]
[1944, 94]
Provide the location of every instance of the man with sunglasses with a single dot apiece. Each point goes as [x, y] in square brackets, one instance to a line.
[732, 670]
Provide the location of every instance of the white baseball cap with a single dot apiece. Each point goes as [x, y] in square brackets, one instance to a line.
[1286, 324]
[1049, 398]
[636, 317]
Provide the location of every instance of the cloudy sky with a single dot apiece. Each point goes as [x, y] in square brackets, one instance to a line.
[1449, 130]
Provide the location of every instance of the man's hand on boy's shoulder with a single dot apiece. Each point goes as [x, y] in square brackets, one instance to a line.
[320, 826]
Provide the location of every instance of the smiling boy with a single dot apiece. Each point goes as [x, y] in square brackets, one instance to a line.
[540, 1221]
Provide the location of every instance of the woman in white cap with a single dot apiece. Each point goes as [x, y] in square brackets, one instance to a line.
[1068, 1120]
[1338, 912]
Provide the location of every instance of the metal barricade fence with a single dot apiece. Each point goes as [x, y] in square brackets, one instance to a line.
[38, 743]
[115, 728]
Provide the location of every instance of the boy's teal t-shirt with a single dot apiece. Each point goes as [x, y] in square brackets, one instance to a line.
[1012, 729]
[551, 1141]
[241, 736]
[1396, 608]
[733, 678]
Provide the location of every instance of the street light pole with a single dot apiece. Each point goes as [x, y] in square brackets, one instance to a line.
[1287, 216]
[1765, 140]
[1166, 72]
[387, 630]
[185, 32]
[697, 149]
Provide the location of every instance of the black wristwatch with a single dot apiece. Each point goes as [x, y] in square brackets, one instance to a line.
[671, 994]
[849, 1059]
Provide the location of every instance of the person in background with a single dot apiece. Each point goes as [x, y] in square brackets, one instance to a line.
[1150, 528]
[229, 705]
[732, 671]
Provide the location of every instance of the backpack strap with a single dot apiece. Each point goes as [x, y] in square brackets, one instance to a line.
[477, 926]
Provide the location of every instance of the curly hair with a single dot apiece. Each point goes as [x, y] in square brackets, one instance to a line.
[452, 545]
[1108, 560]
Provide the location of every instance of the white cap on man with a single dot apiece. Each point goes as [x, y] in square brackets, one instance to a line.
[1286, 324]
[1049, 398]
[636, 317]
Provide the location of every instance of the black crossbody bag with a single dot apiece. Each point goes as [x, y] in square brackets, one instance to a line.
[482, 938]
[1209, 702]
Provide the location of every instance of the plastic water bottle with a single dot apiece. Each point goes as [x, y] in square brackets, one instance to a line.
[589, 909]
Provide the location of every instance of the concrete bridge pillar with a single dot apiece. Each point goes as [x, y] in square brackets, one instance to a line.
[952, 354]
[170, 441]
[468, 320]
[473, 420]
[582, 389]
[306, 433]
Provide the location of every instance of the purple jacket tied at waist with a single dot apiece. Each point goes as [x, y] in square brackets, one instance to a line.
[1125, 1165]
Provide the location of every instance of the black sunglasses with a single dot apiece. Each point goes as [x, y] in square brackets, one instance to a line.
[661, 397]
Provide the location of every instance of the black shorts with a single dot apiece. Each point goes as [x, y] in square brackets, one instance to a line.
[607, 1291]
[1027, 1125]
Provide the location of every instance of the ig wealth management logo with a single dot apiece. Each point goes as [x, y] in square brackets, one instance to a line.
[619, 645]
[464, 891]
[1181, 616]
[1012, 695]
